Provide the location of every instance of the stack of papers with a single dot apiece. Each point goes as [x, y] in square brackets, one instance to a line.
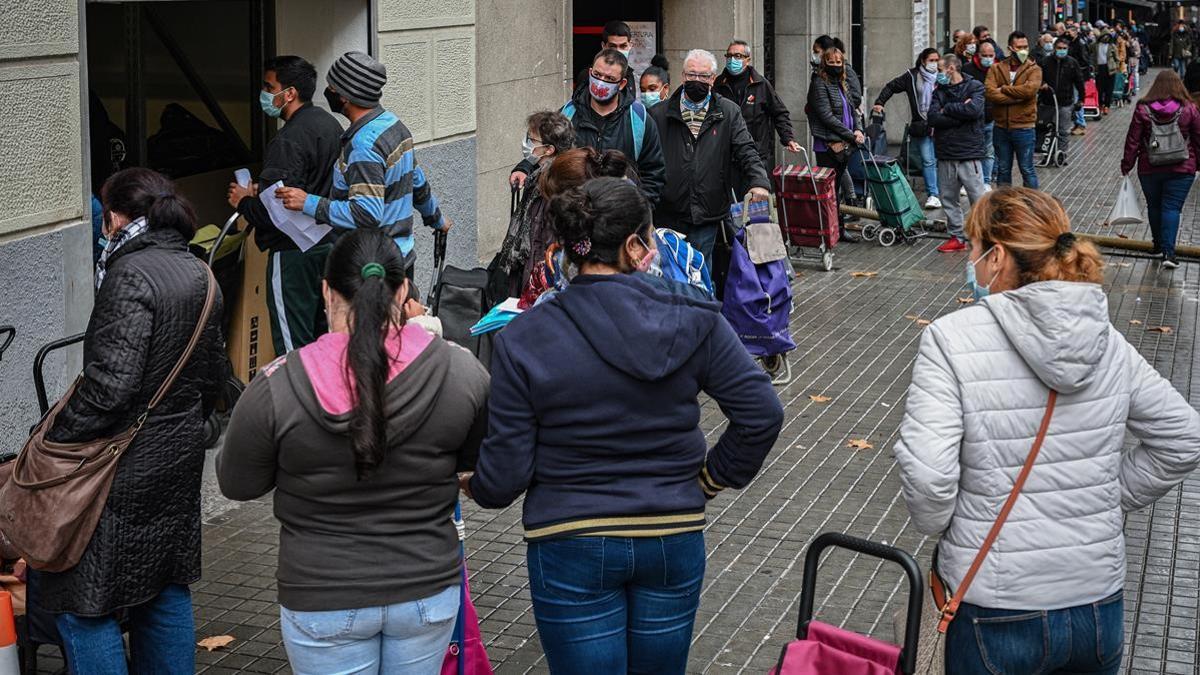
[497, 318]
[301, 229]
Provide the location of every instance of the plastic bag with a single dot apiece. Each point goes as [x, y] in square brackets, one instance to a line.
[1127, 210]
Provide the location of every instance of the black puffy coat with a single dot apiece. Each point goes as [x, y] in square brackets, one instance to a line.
[149, 533]
[973, 70]
[825, 111]
[702, 171]
[958, 125]
[908, 83]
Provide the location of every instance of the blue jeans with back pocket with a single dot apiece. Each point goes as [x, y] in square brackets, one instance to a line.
[617, 604]
[407, 638]
[1083, 639]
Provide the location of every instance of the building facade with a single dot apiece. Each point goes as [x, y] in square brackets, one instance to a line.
[174, 85]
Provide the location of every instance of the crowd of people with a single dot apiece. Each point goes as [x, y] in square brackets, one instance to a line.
[369, 427]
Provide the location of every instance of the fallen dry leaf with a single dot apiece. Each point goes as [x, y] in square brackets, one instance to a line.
[1134, 322]
[1160, 329]
[911, 317]
[923, 322]
[1124, 264]
[215, 642]
[817, 398]
[863, 274]
[1122, 236]
[965, 301]
[859, 444]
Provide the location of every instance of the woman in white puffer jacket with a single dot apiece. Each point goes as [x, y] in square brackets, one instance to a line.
[1048, 596]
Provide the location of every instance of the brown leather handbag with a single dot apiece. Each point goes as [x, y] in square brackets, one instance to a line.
[51, 504]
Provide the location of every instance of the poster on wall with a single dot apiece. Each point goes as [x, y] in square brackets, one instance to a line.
[643, 42]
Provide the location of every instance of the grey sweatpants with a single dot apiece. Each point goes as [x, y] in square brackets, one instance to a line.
[955, 174]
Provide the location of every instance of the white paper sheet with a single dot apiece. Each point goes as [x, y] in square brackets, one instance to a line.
[300, 228]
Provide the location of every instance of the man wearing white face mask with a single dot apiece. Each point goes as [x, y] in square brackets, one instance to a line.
[302, 155]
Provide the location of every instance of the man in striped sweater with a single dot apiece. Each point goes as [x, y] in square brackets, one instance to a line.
[376, 180]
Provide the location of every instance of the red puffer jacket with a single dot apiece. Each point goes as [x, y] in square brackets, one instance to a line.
[1139, 133]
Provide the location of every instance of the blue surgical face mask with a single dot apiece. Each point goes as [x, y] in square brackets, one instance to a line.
[735, 66]
[943, 79]
[267, 100]
[978, 291]
[987, 61]
[649, 98]
[1060, 53]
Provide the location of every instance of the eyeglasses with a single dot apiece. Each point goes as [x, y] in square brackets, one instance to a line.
[732, 55]
[697, 76]
[602, 77]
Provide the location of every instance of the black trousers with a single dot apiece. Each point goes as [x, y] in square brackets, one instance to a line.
[831, 160]
[1104, 83]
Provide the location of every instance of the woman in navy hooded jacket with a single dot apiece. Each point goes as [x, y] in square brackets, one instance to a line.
[600, 429]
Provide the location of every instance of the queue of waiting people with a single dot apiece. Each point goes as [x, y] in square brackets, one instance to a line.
[367, 433]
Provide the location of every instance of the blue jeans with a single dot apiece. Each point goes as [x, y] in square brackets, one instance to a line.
[1165, 194]
[409, 638]
[617, 604]
[989, 161]
[162, 636]
[1019, 142]
[1080, 120]
[1084, 639]
[928, 165]
[1179, 66]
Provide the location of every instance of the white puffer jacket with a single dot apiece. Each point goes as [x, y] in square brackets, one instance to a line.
[978, 394]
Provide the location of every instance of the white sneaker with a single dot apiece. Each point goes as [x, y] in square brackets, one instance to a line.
[962, 192]
[933, 203]
[987, 187]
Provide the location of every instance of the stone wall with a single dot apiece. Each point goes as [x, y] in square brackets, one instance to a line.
[797, 26]
[429, 49]
[523, 61]
[45, 252]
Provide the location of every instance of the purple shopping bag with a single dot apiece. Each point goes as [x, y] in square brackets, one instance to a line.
[758, 301]
[466, 654]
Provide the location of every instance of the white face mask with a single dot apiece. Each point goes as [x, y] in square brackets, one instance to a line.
[814, 58]
[970, 49]
[931, 67]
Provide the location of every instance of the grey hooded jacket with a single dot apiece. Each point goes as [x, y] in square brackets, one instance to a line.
[978, 393]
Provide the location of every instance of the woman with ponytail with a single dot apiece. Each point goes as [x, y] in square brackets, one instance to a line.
[598, 426]
[145, 551]
[360, 435]
[1036, 345]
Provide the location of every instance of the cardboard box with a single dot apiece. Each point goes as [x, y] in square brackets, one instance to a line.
[249, 344]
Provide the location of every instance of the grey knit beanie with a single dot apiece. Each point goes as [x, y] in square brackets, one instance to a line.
[358, 78]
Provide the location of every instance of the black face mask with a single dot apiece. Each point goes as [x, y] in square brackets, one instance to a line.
[695, 90]
[335, 101]
[833, 71]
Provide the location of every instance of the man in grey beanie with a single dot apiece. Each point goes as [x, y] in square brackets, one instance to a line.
[370, 191]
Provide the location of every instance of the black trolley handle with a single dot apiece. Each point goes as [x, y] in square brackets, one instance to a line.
[7, 334]
[39, 360]
[439, 263]
[916, 586]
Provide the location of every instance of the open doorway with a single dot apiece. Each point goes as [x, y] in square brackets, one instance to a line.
[173, 85]
[645, 25]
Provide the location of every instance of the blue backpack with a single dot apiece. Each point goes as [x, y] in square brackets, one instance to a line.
[637, 119]
[681, 262]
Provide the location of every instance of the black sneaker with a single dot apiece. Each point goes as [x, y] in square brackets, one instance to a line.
[1169, 262]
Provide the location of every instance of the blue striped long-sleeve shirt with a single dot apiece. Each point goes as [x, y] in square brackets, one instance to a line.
[376, 182]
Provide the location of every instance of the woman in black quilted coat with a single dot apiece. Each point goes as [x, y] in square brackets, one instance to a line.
[146, 548]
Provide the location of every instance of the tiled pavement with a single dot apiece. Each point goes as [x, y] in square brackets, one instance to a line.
[856, 346]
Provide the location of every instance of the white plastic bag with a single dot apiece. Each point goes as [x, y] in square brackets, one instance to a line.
[1127, 210]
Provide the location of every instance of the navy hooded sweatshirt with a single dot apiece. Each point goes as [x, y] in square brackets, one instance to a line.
[594, 412]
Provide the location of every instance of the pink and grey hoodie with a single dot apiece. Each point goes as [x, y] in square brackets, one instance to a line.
[1139, 134]
[345, 543]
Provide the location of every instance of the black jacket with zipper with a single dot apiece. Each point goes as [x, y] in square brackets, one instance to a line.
[614, 131]
[765, 114]
[978, 73]
[1065, 77]
[958, 125]
[701, 170]
[906, 83]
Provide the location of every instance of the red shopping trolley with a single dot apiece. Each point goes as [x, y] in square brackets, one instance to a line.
[1091, 100]
[806, 198]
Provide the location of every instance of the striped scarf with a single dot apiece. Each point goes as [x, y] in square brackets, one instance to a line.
[123, 236]
[694, 113]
